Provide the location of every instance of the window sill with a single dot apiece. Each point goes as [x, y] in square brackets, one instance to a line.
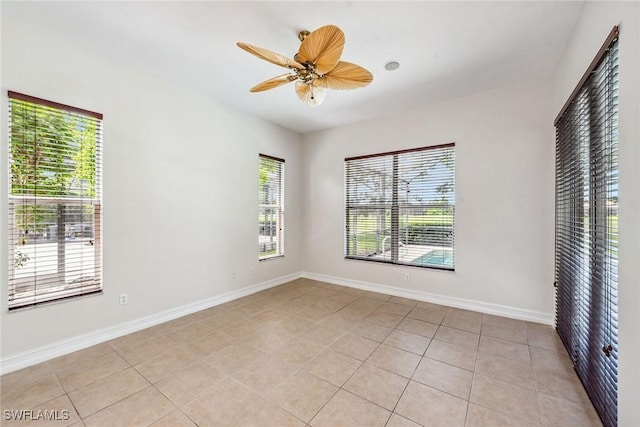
[53, 301]
[380, 261]
[270, 258]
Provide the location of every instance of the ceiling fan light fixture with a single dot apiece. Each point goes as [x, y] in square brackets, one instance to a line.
[315, 68]
[392, 65]
[311, 94]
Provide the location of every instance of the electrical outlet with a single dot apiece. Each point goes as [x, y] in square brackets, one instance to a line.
[234, 275]
[407, 276]
[251, 269]
[124, 298]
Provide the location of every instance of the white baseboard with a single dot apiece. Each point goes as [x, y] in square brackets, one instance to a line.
[483, 307]
[60, 348]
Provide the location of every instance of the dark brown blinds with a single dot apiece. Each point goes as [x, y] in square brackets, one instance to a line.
[400, 207]
[270, 207]
[55, 201]
[586, 254]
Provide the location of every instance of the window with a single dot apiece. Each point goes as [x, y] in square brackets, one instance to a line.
[586, 252]
[271, 207]
[400, 207]
[55, 201]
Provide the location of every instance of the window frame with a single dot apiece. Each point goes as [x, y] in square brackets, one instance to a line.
[395, 208]
[279, 207]
[85, 287]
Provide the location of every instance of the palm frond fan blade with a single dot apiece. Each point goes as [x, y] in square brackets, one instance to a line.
[311, 95]
[269, 56]
[323, 47]
[345, 76]
[274, 82]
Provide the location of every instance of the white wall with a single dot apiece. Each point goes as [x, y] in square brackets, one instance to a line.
[594, 25]
[180, 189]
[504, 196]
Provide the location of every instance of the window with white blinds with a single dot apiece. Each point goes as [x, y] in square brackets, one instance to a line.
[400, 207]
[270, 207]
[586, 252]
[55, 201]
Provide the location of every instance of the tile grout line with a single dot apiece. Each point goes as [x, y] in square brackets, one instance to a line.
[413, 373]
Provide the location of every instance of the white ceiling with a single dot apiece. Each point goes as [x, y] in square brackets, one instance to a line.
[447, 49]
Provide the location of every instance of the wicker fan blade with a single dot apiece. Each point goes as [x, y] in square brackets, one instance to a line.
[274, 82]
[345, 75]
[310, 94]
[267, 55]
[323, 47]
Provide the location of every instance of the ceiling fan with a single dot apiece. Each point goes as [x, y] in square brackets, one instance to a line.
[315, 68]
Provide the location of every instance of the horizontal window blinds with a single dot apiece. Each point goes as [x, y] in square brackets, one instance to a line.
[271, 207]
[55, 201]
[586, 254]
[400, 207]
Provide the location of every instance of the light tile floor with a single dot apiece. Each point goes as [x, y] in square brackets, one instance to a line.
[312, 353]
